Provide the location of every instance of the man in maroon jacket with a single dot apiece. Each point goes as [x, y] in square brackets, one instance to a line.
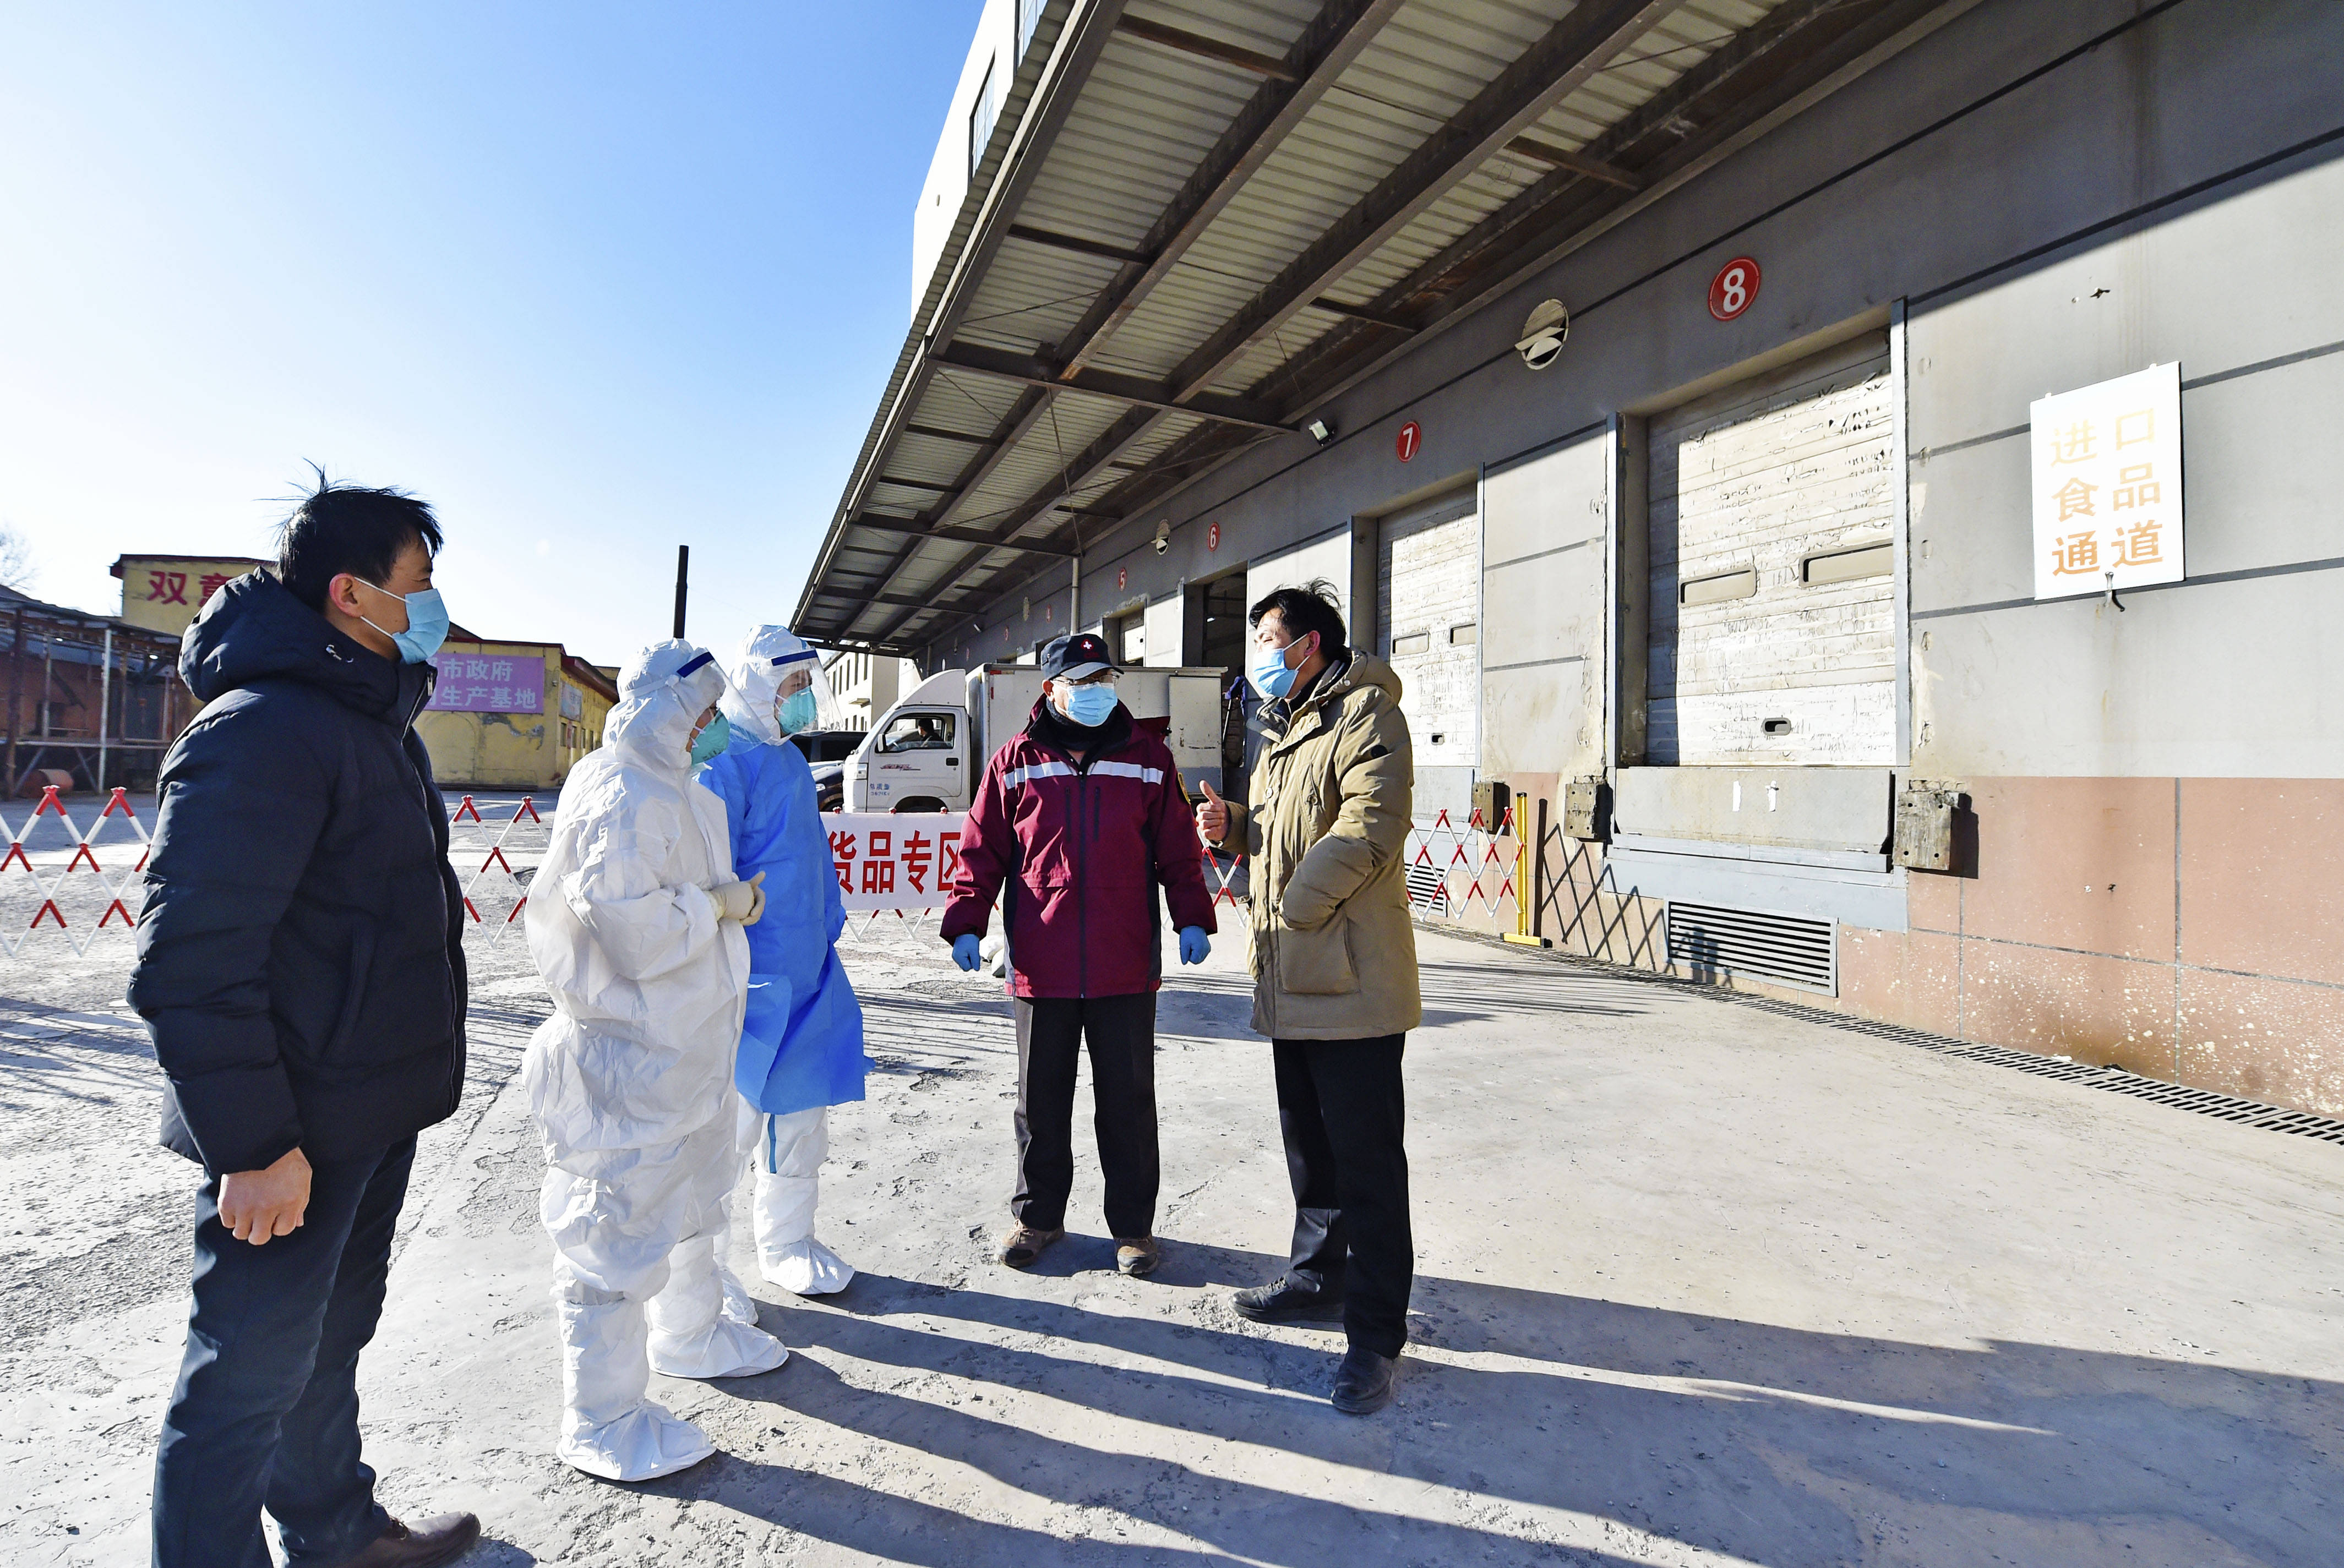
[1081, 818]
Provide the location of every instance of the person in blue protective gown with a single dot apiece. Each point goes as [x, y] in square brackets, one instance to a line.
[801, 1042]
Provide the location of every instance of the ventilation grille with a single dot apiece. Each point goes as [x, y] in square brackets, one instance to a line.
[1787, 950]
[1428, 890]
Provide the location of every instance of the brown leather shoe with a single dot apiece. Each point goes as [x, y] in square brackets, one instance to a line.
[442, 1538]
[1137, 1256]
[1024, 1244]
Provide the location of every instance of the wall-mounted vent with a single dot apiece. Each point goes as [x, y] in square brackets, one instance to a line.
[1848, 565]
[1428, 890]
[1797, 950]
[1718, 589]
[1414, 642]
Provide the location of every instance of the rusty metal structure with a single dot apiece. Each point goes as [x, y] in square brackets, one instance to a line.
[90, 696]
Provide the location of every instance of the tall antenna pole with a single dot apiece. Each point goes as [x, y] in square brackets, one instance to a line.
[683, 583]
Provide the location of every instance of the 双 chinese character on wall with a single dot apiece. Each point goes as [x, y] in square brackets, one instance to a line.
[2107, 485]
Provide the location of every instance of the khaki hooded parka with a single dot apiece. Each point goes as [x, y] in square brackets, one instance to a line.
[1334, 950]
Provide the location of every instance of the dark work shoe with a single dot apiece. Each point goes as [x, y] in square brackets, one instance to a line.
[438, 1540]
[1280, 1302]
[1137, 1256]
[1024, 1244]
[1363, 1383]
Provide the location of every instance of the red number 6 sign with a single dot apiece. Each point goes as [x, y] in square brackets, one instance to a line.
[1733, 287]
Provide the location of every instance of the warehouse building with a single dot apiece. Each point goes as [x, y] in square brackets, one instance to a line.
[1840, 479]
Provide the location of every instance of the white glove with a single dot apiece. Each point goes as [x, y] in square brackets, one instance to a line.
[742, 902]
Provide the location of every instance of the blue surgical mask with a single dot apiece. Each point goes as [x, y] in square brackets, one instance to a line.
[1270, 675]
[796, 712]
[427, 623]
[711, 741]
[1089, 706]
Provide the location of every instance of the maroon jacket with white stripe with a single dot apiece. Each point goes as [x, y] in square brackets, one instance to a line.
[1082, 848]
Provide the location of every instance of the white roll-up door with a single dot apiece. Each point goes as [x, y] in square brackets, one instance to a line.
[1428, 625]
[1774, 617]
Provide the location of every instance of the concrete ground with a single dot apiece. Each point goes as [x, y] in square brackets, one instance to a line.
[1701, 1283]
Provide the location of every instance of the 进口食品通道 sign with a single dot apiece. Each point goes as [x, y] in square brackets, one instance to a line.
[2107, 485]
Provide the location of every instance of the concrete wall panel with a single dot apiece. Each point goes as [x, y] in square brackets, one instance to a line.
[2261, 890]
[2267, 1039]
[2084, 863]
[2108, 1011]
[2205, 679]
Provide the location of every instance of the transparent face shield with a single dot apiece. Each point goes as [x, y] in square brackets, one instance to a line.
[802, 700]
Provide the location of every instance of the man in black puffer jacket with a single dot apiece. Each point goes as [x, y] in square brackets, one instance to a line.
[301, 965]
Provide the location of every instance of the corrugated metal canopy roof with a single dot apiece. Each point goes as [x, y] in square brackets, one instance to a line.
[1199, 219]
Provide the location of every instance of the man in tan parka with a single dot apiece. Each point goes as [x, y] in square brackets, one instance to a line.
[1334, 965]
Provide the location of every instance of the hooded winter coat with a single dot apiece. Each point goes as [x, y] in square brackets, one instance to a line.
[300, 952]
[1082, 848]
[1334, 950]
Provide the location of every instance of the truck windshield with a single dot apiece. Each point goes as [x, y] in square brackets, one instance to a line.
[918, 732]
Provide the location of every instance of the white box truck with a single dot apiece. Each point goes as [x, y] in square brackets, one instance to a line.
[928, 751]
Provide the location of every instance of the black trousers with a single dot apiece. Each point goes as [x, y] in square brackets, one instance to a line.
[1340, 1108]
[265, 1413]
[1121, 1030]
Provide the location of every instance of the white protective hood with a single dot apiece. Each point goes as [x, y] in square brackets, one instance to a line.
[753, 680]
[662, 692]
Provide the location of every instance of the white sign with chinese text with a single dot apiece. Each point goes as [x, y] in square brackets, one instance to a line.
[894, 860]
[2107, 485]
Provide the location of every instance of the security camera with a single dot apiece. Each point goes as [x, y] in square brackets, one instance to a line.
[1163, 536]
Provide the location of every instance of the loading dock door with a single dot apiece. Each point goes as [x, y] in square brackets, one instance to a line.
[1774, 623]
[1428, 621]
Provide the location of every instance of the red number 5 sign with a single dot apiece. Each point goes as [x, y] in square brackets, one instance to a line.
[1733, 287]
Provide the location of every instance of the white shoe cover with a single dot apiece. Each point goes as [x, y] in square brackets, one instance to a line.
[739, 1306]
[645, 1442]
[806, 1268]
[723, 1349]
[789, 1184]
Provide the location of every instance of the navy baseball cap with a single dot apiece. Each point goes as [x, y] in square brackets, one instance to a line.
[1075, 657]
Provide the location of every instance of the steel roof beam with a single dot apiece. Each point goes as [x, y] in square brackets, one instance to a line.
[937, 432]
[1702, 118]
[1070, 52]
[1577, 163]
[1321, 55]
[1031, 371]
[1085, 466]
[1584, 42]
[1024, 415]
[1049, 239]
[1186, 43]
[958, 535]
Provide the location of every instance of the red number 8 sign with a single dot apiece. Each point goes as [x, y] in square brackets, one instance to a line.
[1733, 287]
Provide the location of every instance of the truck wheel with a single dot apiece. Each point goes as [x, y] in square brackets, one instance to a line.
[918, 803]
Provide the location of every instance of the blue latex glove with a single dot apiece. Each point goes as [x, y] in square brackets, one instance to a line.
[1194, 944]
[967, 953]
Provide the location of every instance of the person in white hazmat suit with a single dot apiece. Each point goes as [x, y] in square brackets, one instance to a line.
[636, 921]
[802, 1044]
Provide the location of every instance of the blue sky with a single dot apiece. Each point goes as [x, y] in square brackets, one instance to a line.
[594, 279]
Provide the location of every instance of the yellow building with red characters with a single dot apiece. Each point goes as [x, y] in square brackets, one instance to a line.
[503, 715]
[163, 593]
